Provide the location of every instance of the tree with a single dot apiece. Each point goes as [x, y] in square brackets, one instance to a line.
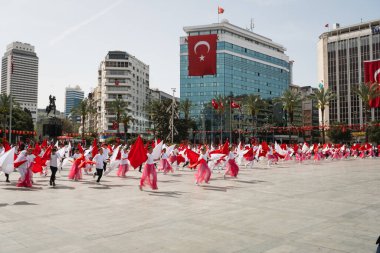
[339, 133]
[68, 126]
[253, 104]
[82, 110]
[374, 132]
[185, 107]
[22, 119]
[323, 98]
[118, 107]
[290, 99]
[367, 92]
[159, 116]
[4, 111]
[126, 119]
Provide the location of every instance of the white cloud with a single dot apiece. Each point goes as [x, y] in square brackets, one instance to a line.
[75, 28]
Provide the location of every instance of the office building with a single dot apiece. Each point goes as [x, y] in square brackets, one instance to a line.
[341, 53]
[73, 97]
[247, 63]
[19, 75]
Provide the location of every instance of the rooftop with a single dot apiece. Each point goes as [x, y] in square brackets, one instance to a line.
[351, 28]
[225, 25]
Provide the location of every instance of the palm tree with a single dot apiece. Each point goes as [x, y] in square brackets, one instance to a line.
[367, 93]
[323, 98]
[82, 110]
[252, 105]
[118, 107]
[185, 107]
[4, 110]
[126, 119]
[290, 100]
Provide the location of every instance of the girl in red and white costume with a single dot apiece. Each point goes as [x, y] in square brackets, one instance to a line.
[164, 164]
[25, 179]
[124, 166]
[149, 175]
[203, 173]
[75, 171]
[232, 168]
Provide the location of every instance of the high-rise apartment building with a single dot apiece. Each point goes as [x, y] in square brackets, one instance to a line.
[73, 97]
[19, 75]
[247, 63]
[122, 76]
[341, 53]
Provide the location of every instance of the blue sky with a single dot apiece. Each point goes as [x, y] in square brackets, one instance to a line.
[72, 36]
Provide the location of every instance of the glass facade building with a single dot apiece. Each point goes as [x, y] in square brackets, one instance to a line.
[341, 56]
[73, 97]
[247, 63]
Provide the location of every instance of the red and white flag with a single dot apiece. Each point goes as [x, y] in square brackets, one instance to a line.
[234, 105]
[220, 10]
[202, 55]
[215, 104]
[372, 76]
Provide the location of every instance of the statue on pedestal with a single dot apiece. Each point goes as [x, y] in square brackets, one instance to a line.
[51, 105]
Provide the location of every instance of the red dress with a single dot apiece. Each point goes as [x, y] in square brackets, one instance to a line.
[75, 171]
[149, 175]
[203, 173]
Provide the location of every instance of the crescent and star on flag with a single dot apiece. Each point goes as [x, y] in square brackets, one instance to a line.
[199, 43]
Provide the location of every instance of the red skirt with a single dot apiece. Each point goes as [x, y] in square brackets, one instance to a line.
[26, 181]
[165, 166]
[75, 172]
[172, 158]
[149, 176]
[203, 173]
[123, 169]
[232, 168]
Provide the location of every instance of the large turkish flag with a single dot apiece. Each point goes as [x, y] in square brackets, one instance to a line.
[372, 71]
[202, 55]
[371, 77]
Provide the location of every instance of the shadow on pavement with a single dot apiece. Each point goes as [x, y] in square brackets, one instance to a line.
[24, 203]
[171, 194]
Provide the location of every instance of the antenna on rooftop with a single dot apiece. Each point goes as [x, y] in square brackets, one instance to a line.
[252, 25]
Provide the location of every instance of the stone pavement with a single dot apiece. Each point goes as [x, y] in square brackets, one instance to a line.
[333, 206]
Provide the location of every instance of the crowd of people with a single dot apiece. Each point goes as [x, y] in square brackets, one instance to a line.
[98, 160]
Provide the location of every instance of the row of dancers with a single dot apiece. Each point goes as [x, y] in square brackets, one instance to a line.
[202, 158]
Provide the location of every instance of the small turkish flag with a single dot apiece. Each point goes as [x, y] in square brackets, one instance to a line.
[117, 82]
[234, 105]
[214, 104]
[372, 77]
[202, 55]
[220, 10]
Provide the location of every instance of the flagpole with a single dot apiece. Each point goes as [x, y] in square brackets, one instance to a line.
[10, 102]
[230, 121]
[239, 123]
[212, 128]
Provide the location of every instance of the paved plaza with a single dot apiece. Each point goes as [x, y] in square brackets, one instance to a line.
[332, 206]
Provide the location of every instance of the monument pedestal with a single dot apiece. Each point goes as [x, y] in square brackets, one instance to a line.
[52, 127]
